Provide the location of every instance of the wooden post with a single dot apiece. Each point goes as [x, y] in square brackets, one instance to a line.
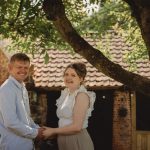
[133, 116]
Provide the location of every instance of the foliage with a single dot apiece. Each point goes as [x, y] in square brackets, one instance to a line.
[116, 15]
[24, 22]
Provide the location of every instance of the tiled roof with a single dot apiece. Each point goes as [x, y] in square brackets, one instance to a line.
[51, 75]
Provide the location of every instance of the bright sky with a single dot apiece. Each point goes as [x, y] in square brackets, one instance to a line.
[34, 2]
[91, 7]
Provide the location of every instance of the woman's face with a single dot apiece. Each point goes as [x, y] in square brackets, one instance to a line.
[71, 79]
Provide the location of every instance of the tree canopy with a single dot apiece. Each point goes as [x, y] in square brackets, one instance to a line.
[25, 23]
[31, 29]
[116, 15]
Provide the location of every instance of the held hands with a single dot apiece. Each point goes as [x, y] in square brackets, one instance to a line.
[48, 133]
[40, 134]
[45, 133]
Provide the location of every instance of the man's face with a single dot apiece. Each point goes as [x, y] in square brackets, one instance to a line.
[19, 70]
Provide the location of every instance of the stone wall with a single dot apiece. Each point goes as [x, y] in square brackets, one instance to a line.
[38, 105]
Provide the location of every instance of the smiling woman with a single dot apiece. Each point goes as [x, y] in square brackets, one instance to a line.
[74, 108]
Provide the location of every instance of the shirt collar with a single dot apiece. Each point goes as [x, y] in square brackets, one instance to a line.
[18, 84]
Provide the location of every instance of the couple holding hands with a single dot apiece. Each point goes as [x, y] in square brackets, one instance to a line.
[74, 107]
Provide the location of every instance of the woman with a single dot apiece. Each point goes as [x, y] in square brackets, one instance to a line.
[74, 107]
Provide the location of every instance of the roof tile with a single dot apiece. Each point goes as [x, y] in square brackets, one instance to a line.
[51, 75]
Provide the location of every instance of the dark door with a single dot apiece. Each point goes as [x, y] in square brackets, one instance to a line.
[52, 120]
[100, 124]
[142, 112]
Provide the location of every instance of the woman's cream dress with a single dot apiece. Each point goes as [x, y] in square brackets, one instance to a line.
[65, 104]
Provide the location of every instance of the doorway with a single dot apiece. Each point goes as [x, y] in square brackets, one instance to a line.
[100, 123]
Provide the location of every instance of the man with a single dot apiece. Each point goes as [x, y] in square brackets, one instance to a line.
[17, 129]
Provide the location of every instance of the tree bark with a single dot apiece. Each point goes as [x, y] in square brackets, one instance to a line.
[55, 12]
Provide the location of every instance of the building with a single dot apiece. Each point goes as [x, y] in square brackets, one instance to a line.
[116, 122]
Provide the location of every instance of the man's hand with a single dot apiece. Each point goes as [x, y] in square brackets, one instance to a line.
[39, 138]
[40, 134]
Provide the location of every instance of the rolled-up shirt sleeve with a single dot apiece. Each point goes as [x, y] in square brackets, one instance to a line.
[9, 116]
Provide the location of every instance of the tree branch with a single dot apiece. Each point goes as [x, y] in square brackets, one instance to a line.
[19, 9]
[55, 12]
[18, 13]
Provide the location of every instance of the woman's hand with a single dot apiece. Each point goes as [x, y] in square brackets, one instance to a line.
[48, 133]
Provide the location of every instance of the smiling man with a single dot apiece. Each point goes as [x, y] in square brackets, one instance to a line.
[17, 129]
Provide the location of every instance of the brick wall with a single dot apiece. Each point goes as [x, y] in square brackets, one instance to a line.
[3, 67]
[122, 134]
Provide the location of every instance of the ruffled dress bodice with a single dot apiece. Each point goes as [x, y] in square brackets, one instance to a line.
[65, 104]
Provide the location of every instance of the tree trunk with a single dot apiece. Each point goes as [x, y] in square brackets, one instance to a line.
[55, 12]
